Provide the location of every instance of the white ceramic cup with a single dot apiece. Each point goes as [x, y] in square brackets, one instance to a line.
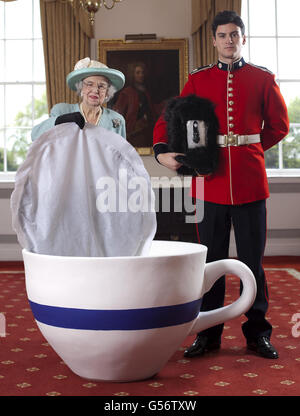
[122, 318]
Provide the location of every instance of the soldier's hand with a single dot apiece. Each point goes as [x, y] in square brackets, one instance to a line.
[168, 160]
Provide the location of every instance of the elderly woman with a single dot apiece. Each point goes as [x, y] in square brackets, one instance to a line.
[95, 83]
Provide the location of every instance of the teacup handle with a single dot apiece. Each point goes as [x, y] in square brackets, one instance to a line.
[213, 271]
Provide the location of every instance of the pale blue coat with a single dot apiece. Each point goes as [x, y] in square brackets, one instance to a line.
[110, 120]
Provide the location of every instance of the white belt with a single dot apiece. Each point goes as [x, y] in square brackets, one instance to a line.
[237, 140]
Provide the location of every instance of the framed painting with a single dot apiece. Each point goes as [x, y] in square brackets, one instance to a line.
[155, 71]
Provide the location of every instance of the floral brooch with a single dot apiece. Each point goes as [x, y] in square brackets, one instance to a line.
[116, 122]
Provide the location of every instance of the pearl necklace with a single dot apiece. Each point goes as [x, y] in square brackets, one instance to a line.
[98, 118]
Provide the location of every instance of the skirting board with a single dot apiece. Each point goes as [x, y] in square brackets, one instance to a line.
[274, 247]
[10, 252]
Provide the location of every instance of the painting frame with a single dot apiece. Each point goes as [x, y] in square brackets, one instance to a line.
[173, 54]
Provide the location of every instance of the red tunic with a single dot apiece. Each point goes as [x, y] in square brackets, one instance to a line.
[248, 101]
[128, 104]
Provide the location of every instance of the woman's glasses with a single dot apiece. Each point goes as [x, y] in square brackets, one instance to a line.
[102, 86]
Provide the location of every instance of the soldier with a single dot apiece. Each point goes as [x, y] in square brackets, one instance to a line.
[252, 118]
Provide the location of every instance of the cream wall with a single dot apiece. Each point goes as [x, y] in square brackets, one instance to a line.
[165, 18]
[172, 19]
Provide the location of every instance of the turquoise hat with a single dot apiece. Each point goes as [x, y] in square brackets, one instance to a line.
[87, 68]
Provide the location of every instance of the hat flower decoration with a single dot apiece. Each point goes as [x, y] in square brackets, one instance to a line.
[86, 68]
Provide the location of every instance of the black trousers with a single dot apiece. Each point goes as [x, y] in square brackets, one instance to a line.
[249, 224]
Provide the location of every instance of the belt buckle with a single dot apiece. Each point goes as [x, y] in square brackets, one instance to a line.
[231, 139]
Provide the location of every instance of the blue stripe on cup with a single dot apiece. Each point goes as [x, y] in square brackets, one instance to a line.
[116, 320]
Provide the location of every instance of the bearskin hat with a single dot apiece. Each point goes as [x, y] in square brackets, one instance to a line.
[184, 117]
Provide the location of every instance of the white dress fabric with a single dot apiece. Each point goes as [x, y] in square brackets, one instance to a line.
[83, 193]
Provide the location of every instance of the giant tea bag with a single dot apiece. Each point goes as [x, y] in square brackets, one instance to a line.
[83, 193]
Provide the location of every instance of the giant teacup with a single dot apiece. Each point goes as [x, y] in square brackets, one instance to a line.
[122, 318]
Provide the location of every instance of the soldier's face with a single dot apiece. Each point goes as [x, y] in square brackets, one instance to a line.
[229, 42]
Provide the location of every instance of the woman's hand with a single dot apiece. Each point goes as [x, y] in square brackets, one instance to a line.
[76, 117]
[168, 160]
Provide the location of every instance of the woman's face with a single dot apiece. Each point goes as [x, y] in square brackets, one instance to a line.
[94, 90]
